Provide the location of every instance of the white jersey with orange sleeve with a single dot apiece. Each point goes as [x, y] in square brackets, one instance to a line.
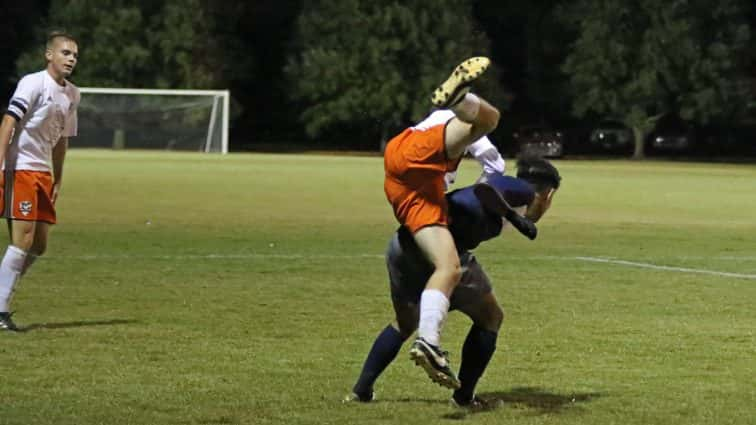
[483, 150]
[45, 111]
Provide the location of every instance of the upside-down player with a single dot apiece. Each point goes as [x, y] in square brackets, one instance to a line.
[415, 163]
[33, 142]
[472, 220]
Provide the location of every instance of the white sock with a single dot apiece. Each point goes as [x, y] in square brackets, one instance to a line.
[434, 307]
[10, 270]
[30, 259]
[467, 109]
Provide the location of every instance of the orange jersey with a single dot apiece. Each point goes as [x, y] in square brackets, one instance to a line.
[415, 162]
[27, 195]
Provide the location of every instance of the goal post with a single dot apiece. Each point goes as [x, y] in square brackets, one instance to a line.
[122, 118]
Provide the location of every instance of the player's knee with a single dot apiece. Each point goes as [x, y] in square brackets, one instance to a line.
[496, 319]
[406, 328]
[495, 116]
[491, 318]
[456, 274]
[39, 246]
[405, 333]
[489, 119]
[451, 272]
[24, 242]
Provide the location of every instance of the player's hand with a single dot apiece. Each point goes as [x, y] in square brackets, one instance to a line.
[55, 193]
[522, 224]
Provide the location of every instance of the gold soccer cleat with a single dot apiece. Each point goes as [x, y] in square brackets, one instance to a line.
[451, 91]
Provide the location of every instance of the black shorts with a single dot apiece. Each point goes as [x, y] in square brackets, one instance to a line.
[409, 271]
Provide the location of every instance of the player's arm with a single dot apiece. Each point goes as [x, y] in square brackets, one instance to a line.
[6, 132]
[494, 201]
[59, 151]
[485, 152]
[25, 95]
[58, 157]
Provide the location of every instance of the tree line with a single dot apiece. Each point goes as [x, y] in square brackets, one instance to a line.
[349, 73]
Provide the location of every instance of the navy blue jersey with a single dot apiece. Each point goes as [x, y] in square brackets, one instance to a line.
[469, 223]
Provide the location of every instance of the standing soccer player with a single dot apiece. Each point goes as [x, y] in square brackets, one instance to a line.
[34, 136]
[415, 163]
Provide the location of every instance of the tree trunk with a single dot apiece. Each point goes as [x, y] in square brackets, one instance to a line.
[639, 135]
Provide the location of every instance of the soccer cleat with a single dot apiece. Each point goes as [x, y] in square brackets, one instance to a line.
[453, 90]
[435, 362]
[6, 323]
[475, 403]
[359, 398]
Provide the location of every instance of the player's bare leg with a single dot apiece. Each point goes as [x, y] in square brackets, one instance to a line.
[460, 134]
[39, 245]
[475, 116]
[12, 266]
[437, 244]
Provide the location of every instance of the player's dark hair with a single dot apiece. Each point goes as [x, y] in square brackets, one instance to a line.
[538, 172]
[52, 36]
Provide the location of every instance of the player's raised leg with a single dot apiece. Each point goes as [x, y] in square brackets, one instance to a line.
[453, 89]
[475, 116]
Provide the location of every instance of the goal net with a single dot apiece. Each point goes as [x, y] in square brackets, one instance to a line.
[187, 120]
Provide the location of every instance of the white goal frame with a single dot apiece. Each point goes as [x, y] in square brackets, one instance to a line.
[223, 95]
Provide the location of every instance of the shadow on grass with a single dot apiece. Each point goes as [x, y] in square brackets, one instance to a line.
[531, 399]
[76, 324]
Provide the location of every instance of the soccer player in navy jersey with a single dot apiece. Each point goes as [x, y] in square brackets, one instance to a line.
[471, 222]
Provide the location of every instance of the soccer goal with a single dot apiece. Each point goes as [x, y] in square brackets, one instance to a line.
[188, 120]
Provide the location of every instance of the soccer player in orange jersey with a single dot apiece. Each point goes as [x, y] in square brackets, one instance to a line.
[34, 136]
[475, 216]
[415, 163]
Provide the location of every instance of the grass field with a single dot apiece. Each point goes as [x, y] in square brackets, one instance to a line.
[247, 289]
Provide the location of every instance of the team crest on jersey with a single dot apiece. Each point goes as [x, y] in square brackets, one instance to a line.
[25, 207]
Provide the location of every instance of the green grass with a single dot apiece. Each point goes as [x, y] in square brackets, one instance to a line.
[247, 289]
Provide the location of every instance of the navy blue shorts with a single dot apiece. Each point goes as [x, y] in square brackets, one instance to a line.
[409, 271]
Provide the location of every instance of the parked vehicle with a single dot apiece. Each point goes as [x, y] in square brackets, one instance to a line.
[671, 134]
[611, 136]
[539, 141]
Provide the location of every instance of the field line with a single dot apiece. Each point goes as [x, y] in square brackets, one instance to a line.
[666, 268]
[217, 256]
[253, 255]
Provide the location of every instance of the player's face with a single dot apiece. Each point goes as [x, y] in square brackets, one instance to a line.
[540, 205]
[547, 196]
[62, 57]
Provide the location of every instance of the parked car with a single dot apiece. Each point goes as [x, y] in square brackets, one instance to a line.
[671, 140]
[671, 134]
[539, 141]
[611, 136]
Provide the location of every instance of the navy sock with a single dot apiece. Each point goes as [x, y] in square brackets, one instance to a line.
[384, 351]
[477, 351]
